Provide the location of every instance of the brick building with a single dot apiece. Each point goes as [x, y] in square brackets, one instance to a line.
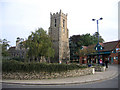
[109, 51]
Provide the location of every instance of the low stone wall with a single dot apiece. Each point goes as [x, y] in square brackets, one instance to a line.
[100, 68]
[44, 75]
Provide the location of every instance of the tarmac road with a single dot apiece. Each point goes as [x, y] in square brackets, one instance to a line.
[112, 83]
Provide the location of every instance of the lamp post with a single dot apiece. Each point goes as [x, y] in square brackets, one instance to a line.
[98, 48]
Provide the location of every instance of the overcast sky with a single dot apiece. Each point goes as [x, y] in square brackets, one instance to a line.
[20, 17]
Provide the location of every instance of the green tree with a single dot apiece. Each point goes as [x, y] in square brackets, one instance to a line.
[77, 41]
[39, 45]
[82, 52]
[95, 38]
[4, 44]
[86, 39]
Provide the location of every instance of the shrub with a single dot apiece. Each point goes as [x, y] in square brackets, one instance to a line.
[18, 59]
[15, 66]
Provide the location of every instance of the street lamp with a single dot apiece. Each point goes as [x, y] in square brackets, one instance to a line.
[98, 36]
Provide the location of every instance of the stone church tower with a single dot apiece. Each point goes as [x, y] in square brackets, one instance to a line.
[59, 33]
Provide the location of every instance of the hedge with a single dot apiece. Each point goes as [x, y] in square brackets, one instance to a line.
[16, 66]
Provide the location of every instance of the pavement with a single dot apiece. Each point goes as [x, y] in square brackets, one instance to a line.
[111, 72]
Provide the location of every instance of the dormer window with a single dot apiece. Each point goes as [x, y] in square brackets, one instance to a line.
[98, 47]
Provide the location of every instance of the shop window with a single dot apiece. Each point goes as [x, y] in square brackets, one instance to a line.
[111, 58]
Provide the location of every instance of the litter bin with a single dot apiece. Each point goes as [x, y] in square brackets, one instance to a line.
[89, 65]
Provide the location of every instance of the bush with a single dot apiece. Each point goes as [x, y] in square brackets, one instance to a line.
[18, 59]
[15, 66]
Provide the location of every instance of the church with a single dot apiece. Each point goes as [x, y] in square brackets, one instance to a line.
[59, 34]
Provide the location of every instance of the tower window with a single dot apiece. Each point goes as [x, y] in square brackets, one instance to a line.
[63, 23]
[55, 22]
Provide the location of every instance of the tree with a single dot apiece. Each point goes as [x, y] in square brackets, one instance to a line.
[39, 45]
[74, 44]
[4, 44]
[77, 41]
[86, 39]
[95, 38]
[82, 52]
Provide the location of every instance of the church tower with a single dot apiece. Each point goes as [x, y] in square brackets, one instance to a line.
[59, 34]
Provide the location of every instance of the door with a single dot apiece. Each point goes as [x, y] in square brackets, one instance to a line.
[111, 60]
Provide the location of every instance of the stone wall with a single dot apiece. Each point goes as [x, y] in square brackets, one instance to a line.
[44, 75]
[100, 68]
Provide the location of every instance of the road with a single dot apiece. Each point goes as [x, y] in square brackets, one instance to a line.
[111, 83]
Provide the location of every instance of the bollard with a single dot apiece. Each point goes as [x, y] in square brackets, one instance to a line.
[93, 70]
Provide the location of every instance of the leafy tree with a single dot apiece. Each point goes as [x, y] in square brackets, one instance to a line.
[39, 45]
[95, 38]
[4, 44]
[77, 41]
[82, 52]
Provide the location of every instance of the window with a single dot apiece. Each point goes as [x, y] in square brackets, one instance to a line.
[114, 57]
[114, 51]
[55, 22]
[111, 58]
[63, 23]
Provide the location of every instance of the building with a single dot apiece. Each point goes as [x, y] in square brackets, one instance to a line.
[60, 38]
[109, 51]
[17, 52]
[59, 34]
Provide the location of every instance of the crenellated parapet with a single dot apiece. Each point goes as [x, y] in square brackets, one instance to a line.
[59, 14]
